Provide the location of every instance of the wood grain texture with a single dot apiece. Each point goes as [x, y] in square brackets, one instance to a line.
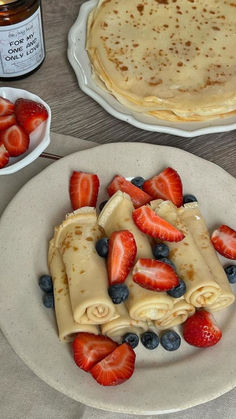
[76, 114]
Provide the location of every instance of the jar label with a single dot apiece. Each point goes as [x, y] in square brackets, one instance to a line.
[21, 46]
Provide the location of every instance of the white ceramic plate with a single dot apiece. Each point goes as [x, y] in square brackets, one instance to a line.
[163, 381]
[39, 138]
[79, 60]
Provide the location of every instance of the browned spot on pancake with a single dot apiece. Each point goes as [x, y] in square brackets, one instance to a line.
[190, 273]
[60, 290]
[115, 11]
[215, 28]
[65, 281]
[105, 24]
[172, 253]
[140, 8]
[135, 45]
[232, 4]
[124, 68]
[188, 43]
[152, 83]
[73, 269]
[180, 64]
[82, 271]
[82, 291]
[89, 239]
[75, 248]
[186, 244]
[105, 2]
[163, 1]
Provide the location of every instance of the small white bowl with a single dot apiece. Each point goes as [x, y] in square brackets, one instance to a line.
[39, 138]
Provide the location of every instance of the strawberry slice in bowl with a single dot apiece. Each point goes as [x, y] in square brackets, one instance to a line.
[30, 114]
[6, 121]
[6, 107]
[154, 275]
[15, 140]
[167, 185]
[138, 197]
[224, 241]
[4, 155]
[150, 223]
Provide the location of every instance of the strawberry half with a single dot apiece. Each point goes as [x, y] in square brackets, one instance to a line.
[83, 189]
[200, 330]
[15, 140]
[138, 197]
[167, 185]
[6, 107]
[4, 156]
[90, 349]
[154, 275]
[30, 114]
[224, 241]
[6, 121]
[116, 367]
[150, 223]
[121, 256]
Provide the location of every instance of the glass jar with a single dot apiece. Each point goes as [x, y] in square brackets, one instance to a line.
[22, 49]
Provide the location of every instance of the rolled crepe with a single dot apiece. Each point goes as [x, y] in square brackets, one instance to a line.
[177, 315]
[86, 271]
[142, 304]
[201, 288]
[194, 220]
[67, 327]
[124, 324]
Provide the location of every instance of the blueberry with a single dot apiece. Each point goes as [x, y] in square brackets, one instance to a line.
[150, 340]
[118, 293]
[169, 262]
[179, 290]
[102, 247]
[138, 181]
[170, 340]
[131, 338]
[102, 205]
[231, 273]
[160, 250]
[45, 283]
[48, 300]
[189, 198]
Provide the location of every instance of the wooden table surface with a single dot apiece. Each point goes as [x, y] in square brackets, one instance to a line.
[76, 114]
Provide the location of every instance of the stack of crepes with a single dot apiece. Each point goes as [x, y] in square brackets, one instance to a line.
[142, 304]
[173, 60]
[195, 258]
[80, 281]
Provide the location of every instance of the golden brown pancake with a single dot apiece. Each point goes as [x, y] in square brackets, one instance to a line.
[173, 59]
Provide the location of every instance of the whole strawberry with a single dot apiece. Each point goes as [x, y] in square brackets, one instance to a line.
[200, 330]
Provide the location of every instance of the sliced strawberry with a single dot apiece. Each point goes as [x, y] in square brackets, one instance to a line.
[7, 121]
[150, 223]
[200, 330]
[6, 107]
[137, 196]
[30, 114]
[83, 190]
[15, 140]
[154, 275]
[167, 185]
[116, 367]
[121, 256]
[224, 241]
[4, 156]
[90, 349]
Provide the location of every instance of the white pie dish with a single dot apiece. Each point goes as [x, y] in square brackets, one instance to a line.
[39, 138]
[162, 382]
[79, 60]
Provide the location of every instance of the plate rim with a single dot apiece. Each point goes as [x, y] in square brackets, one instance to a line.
[20, 352]
[83, 77]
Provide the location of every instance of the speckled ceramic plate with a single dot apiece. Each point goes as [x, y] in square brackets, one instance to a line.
[79, 60]
[163, 381]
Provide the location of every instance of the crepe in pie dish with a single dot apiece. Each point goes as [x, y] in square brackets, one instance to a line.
[172, 59]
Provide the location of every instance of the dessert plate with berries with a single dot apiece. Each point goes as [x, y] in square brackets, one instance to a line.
[153, 367]
[25, 121]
